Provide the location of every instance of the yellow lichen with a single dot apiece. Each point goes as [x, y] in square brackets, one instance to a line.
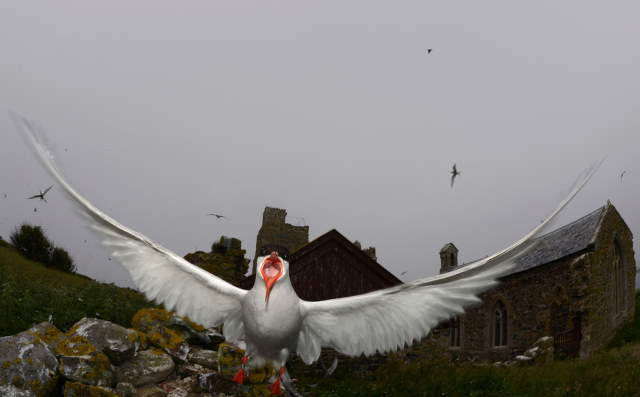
[74, 346]
[73, 389]
[146, 318]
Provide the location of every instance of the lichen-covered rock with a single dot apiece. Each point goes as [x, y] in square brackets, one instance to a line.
[155, 324]
[75, 389]
[75, 345]
[12, 391]
[206, 358]
[147, 366]
[93, 369]
[48, 333]
[117, 342]
[27, 363]
[179, 387]
[230, 360]
[191, 331]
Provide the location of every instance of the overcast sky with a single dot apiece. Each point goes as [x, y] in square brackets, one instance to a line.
[162, 111]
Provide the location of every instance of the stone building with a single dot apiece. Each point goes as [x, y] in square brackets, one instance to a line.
[277, 235]
[576, 284]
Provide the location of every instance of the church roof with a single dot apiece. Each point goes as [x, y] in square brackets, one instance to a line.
[569, 239]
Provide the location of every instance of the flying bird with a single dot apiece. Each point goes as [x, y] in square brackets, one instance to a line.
[454, 173]
[270, 320]
[41, 195]
[218, 216]
[621, 175]
[428, 50]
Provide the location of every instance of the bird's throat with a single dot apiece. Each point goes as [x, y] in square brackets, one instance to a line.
[271, 271]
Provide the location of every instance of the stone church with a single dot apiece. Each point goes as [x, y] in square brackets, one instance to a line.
[576, 284]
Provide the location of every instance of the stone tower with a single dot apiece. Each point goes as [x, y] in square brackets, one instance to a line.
[277, 235]
[448, 258]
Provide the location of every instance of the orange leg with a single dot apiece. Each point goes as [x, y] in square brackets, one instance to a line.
[239, 376]
[276, 388]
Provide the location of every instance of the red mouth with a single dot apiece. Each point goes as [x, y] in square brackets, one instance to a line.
[271, 271]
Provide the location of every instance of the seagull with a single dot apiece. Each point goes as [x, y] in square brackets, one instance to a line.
[621, 175]
[218, 216]
[454, 173]
[270, 320]
[41, 195]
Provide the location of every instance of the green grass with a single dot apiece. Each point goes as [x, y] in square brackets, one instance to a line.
[30, 292]
[612, 373]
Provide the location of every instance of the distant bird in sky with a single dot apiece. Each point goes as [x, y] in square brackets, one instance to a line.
[270, 320]
[403, 273]
[5, 195]
[621, 175]
[35, 209]
[454, 173]
[428, 50]
[218, 216]
[41, 195]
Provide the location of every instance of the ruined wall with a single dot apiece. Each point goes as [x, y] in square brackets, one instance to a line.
[276, 232]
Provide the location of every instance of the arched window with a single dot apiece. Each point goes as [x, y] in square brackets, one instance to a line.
[499, 325]
[454, 332]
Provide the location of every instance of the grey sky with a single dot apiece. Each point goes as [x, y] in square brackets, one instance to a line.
[329, 109]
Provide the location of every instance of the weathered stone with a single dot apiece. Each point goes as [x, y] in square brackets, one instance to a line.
[75, 389]
[179, 387]
[117, 342]
[48, 333]
[147, 366]
[125, 389]
[75, 345]
[93, 369]
[12, 391]
[27, 363]
[151, 391]
[154, 323]
[206, 358]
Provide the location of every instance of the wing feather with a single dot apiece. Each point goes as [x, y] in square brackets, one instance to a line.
[396, 317]
[160, 274]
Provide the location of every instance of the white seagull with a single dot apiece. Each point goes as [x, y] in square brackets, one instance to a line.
[270, 319]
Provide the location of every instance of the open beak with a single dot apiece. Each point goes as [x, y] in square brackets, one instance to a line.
[272, 269]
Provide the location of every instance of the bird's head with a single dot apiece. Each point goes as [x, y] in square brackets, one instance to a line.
[271, 269]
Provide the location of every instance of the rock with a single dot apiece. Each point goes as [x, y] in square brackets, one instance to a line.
[125, 389]
[28, 364]
[521, 359]
[147, 366]
[179, 387]
[93, 369]
[75, 345]
[46, 332]
[542, 351]
[75, 389]
[118, 343]
[12, 391]
[206, 358]
[229, 359]
[155, 324]
[151, 391]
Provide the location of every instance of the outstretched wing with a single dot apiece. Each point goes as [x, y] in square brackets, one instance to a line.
[391, 318]
[159, 273]
[47, 190]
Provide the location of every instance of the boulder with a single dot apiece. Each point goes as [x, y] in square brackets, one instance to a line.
[93, 369]
[117, 342]
[27, 364]
[206, 358]
[155, 324]
[46, 332]
[75, 389]
[146, 367]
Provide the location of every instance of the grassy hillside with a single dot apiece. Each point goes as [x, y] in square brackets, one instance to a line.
[30, 292]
